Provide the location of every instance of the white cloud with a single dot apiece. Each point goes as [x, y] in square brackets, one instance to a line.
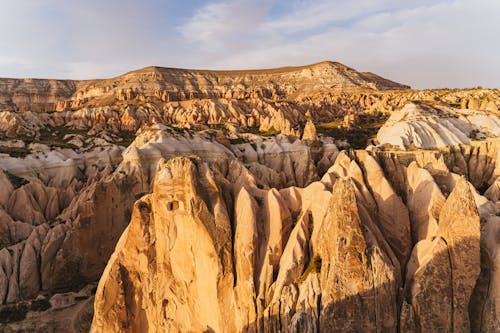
[81, 39]
[226, 27]
[424, 43]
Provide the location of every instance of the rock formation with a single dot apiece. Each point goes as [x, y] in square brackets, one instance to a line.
[426, 126]
[304, 259]
[230, 201]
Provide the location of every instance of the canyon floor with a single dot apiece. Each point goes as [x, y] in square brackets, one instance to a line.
[296, 199]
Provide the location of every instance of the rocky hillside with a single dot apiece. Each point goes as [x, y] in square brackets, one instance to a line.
[366, 248]
[157, 84]
[233, 201]
[423, 125]
[266, 101]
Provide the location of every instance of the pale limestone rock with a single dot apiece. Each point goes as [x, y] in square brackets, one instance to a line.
[424, 200]
[393, 216]
[245, 257]
[29, 267]
[276, 232]
[270, 289]
[425, 126]
[175, 209]
[295, 255]
[430, 291]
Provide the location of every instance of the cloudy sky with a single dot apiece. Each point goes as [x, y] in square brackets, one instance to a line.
[440, 43]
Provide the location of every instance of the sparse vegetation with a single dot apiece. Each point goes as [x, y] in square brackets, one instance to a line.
[271, 132]
[127, 137]
[253, 130]
[219, 127]
[18, 152]
[237, 141]
[389, 147]
[40, 305]
[314, 266]
[474, 134]
[358, 135]
[54, 136]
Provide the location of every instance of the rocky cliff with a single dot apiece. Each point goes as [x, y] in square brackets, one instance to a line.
[355, 251]
[233, 201]
[158, 84]
[273, 100]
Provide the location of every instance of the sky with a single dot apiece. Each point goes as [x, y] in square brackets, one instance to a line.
[423, 43]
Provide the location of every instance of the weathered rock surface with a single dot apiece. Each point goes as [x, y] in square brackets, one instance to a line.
[172, 84]
[252, 229]
[311, 259]
[421, 125]
[444, 269]
[277, 100]
[62, 212]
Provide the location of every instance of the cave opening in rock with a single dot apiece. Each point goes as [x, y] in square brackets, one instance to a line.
[172, 205]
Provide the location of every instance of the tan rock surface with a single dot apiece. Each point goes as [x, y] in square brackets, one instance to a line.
[347, 280]
[243, 237]
[310, 132]
[425, 201]
[451, 263]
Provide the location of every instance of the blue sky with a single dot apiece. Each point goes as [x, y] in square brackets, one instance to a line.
[441, 43]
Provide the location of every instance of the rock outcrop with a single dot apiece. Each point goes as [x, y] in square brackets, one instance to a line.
[443, 270]
[205, 251]
[190, 197]
[420, 125]
[172, 84]
[271, 101]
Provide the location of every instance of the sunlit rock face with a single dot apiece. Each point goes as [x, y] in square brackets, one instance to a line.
[420, 125]
[232, 202]
[62, 211]
[273, 100]
[208, 250]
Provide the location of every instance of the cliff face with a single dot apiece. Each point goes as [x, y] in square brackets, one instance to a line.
[268, 100]
[62, 212]
[240, 207]
[208, 250]
[171, 84]
[265, 100]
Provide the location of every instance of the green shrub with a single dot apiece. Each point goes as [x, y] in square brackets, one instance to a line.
[314, 266]
[271, 132]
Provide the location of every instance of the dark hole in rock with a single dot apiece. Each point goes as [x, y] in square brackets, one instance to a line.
[172, 205]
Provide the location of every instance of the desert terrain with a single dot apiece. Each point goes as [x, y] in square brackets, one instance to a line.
[295, 199]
